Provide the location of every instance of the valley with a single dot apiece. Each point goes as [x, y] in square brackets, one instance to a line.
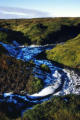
[39, 67]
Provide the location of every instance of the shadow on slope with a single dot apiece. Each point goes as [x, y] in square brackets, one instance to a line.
[62, 35]
[8, 36]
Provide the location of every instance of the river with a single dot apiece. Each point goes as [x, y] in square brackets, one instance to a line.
[56, 82]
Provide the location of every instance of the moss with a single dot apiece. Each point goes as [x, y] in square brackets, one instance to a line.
[45, 68]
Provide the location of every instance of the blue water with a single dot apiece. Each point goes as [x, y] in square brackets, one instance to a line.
[28, 53]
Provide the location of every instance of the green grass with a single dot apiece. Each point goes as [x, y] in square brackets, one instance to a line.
[39, 31]
[58, 108]
[67, 54]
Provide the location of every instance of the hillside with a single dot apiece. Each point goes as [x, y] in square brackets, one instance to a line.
[17, 80]
[67, 54]
[39, 31]
[58, 108]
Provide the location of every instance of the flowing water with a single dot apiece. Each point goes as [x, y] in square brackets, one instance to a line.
[56, 82]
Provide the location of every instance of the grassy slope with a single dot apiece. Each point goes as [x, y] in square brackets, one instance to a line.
[16, 80]
[59, 108]
[67, 54]
[40, 31]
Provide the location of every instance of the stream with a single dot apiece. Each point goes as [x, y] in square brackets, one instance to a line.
[56, 82]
